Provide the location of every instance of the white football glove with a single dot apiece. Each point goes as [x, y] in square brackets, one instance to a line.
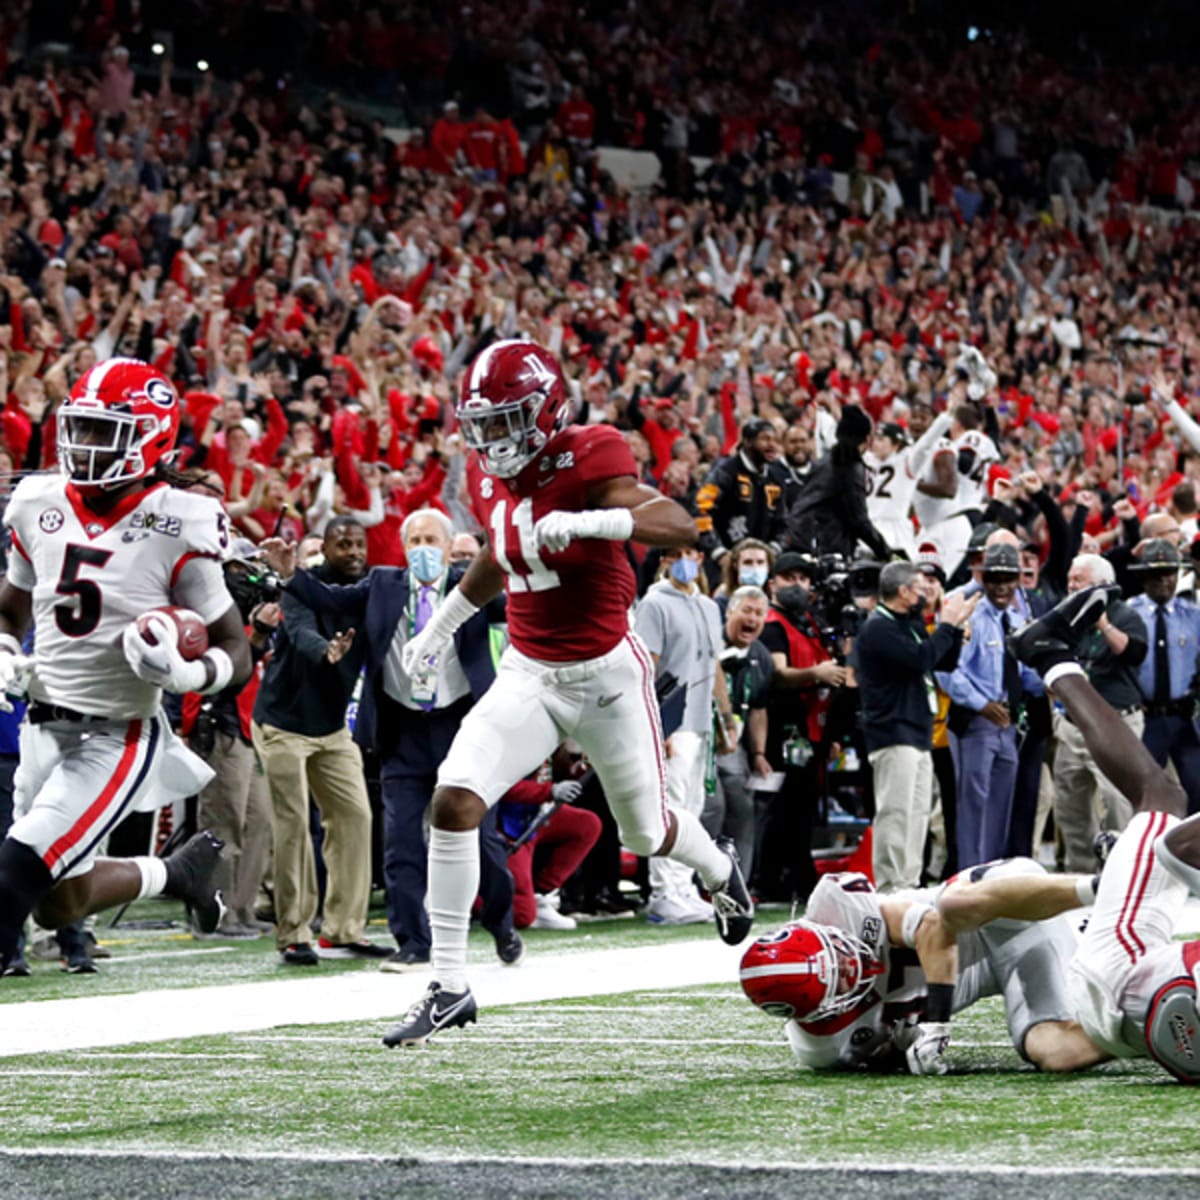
[568, 791]
[161, 664]
[15, 670]
[926, 1055]
[421, 652]
[557, 530]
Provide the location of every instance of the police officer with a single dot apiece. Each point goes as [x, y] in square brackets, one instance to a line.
[1166, 673]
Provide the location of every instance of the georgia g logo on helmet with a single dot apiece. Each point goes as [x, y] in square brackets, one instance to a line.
[120, 421]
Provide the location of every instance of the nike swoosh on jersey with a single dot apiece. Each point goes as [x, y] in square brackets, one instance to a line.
[605, 701]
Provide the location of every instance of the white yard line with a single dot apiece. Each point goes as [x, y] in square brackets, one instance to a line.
[46, 1026]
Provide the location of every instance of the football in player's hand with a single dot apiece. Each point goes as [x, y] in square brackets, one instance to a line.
[193, 634]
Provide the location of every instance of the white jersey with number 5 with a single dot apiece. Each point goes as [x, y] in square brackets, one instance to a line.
[90, 575]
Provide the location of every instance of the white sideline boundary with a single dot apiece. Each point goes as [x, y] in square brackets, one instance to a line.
[169, 1014]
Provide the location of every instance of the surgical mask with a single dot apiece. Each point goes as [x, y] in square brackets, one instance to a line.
[685, 570]
[752, 576]
[426, 563]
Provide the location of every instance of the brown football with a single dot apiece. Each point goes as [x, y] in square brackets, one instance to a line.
[193, 635]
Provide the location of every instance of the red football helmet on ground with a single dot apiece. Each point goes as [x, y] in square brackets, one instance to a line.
[120, 421]
[514, 400]
[808, 971]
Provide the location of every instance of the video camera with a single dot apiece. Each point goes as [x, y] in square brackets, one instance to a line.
[251, 583]
[839, 582]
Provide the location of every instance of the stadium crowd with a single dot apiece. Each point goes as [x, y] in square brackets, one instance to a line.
[831, 275]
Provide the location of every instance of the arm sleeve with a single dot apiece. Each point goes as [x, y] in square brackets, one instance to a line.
[650, 627]
[891, 643]
[302, 628]
[1132, 625]
[372, 516]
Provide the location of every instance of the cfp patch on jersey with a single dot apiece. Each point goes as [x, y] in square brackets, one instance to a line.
[51, 520]
[156, 523]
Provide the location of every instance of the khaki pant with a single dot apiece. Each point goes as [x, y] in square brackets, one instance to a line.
[331, 768]
[236, 806]
[903, 801]
[1079, 787]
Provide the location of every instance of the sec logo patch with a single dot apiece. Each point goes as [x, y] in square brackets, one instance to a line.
[51, 520]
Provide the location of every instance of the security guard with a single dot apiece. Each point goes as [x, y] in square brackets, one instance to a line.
[1167, 672]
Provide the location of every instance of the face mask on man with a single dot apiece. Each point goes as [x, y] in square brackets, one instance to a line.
[752, 576]
[793, 598]
[426, 563]
[685, 570]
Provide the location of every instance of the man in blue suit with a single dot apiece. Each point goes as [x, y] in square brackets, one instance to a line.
[410, 722]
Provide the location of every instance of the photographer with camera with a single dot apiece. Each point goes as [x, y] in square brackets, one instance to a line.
[236, 803]
[894, 660]
[805, 673]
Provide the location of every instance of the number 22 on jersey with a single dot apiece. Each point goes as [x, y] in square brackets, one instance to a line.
[516, 550]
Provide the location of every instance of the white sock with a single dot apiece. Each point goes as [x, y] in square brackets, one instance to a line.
[1173, 863]
[694, 848]
[453, 886]
[154, 876]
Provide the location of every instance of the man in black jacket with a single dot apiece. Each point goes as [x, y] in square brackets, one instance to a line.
[894, 660]
[830, 512]
[303, 743]
[738, 499]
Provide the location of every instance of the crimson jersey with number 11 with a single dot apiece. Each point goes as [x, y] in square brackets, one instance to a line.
[573, 605]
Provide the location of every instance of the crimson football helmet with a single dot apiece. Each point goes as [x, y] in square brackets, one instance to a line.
[1173, 1025]
[119, 422]
[514, 400]
[808, 971]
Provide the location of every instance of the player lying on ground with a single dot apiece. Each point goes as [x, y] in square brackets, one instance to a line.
[870, 982]
[559, 502]
[1132, 986]
[94, 547]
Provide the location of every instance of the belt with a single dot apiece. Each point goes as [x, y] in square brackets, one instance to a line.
[1171, 708]
[1121, 712]
[41, 713]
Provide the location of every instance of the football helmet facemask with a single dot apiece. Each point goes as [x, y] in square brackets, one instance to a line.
[808, 971]
[514, 400]
[120, 421]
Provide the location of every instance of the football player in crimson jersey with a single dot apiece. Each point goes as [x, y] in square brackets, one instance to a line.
[1133, 987]
[95, 546]
[558, 502]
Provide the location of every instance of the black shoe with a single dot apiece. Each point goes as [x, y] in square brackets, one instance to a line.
[1054, 637]
[435, 1011]
[190, 879]
[300, 954]
[509, 947]
[17, 968]
[614, 901]
[406, 960]
[78, 963]
[732, 902]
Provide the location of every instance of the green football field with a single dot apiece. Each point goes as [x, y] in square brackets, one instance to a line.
[663, 1091]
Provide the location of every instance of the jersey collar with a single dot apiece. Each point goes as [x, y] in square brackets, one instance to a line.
[94, 523]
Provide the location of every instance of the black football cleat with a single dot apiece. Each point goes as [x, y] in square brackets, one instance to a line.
[510, 948]
[1054, 637]
[435, 1011]
[732, 903]
[190, 879]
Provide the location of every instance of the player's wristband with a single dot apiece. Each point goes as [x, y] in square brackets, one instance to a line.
[615, 524]
[9, 643]
[222, 666]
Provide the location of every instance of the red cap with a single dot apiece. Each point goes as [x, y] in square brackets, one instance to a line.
[51, 234]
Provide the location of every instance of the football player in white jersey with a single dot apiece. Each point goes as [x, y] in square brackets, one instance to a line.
[870, 981]
[102, 542]
[948, 526]
[893, 469]
[1133, 987]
